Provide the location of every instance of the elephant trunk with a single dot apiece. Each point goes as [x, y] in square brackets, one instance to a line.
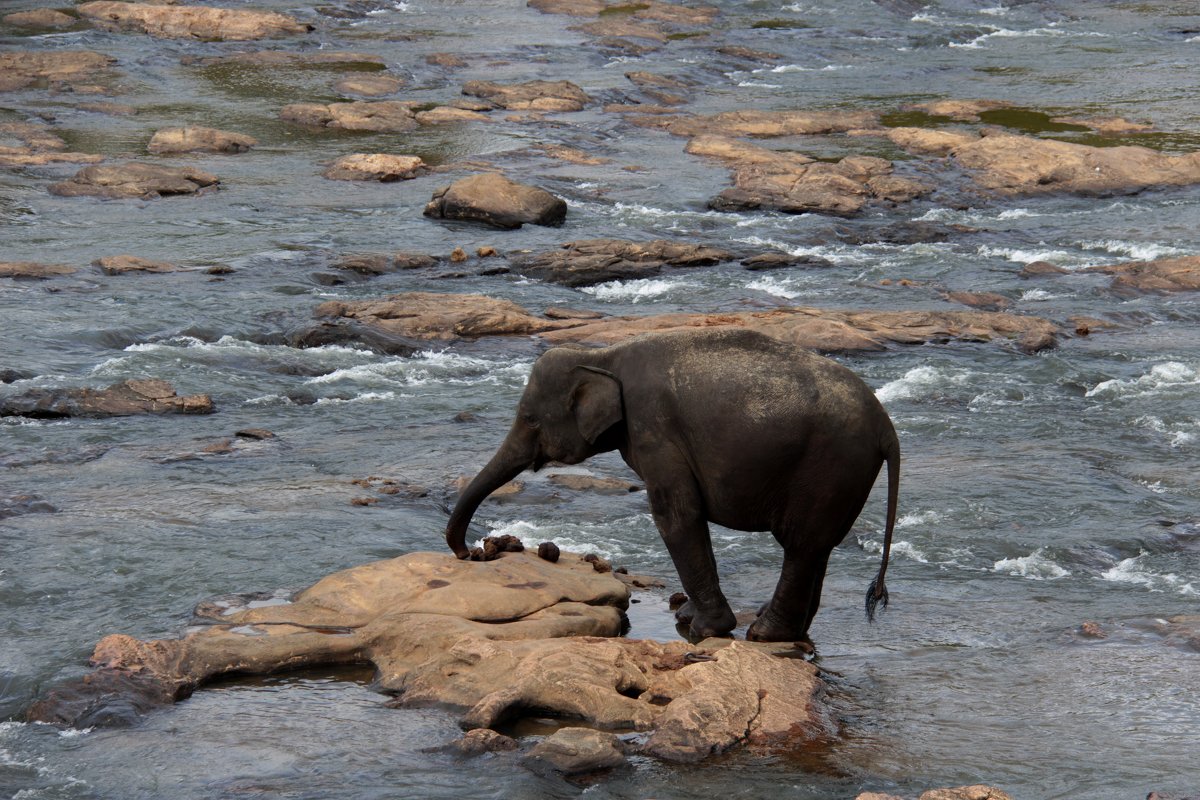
[508, 462]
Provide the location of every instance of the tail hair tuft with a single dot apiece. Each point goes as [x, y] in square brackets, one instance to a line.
[877, 593]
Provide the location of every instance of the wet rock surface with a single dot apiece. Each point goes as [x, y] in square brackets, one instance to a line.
[496, 201]
[530, 96]
[118, 400]
[72, 70]
[1165, 275]
[380, 167]
[199, 140]
[380, 116]
[33, 270]
[591, 261]
[43, 18]
[492, 641]
[135, 180]
[190, 22]
[974, 792]
[39, 145]
[120, 265]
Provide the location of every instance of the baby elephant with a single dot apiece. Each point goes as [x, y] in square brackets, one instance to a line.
[723, 425]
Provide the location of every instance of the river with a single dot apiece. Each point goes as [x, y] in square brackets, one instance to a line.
[1039, 491]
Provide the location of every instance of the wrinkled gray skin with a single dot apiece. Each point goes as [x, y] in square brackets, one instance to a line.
[724, 426]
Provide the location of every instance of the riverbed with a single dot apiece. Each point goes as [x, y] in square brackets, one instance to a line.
[1039, 491]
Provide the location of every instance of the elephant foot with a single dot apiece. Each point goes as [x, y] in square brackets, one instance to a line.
[703, 625]
[766, 629]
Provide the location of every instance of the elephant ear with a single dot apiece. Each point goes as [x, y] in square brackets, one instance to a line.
[596, 402]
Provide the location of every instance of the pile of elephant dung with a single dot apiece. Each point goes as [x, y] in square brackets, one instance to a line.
[490, 640]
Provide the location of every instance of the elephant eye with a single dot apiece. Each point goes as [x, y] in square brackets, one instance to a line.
[531, 420]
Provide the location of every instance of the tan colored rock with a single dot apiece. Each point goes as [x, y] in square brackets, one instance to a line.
[576, 751]
[369, 85]
[766, 124]
[1025, 165]
[591, 483]
[749, 53]
[381, 116]
[199, 140]
[420, 315]
[797, 184]
[375, 167]
[530, 96]
[44, 18]
[39, 145]
[617, 28]
[574, 8]
[120, 265]
[449, 60]
[70, 69]
[134, 179]
[30, 269]
[495, 200]
[379, 264]
[590, 261]
[190, 22]
[992, 301]
[572, 155]
[22, 157]
[976, 792]
[1165, 275]
[445, 115]
[119, 400]
[424, 315]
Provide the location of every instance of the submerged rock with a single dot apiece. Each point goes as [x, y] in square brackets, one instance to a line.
[590, 261]
[764, 124]
[975, 792]
[135, 179]
[369, 85]
[375, 167]
[54, 69]
[530, 96]
[39, 145]
[576, 751]
[190, 22]
[1026, 165]
[491, 641]
[199, 140]
[380, 116]
[119, 400]
[961, 110]
[497, 201]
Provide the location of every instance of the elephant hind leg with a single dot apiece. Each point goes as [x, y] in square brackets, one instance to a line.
[789, 613]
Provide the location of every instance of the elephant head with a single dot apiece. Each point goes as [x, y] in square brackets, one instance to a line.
[567, 414]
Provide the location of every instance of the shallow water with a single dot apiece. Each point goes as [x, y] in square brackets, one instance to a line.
[1039, 492]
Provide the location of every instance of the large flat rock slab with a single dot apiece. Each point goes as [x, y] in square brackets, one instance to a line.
[762, 124]
[135, 180]
[190, 22]
[431, 316]
[1012, 164]
[1165, 275]
[74, 70]
[119, 400]
[491, 641]
[590, 261]
[530, 96]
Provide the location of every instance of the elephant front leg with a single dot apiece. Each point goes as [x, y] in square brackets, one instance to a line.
[677, 513]
[787, 616]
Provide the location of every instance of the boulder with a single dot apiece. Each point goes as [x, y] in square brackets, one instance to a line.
[591, 483]
[199, 140]
[119, 400]
[381, 167]
[190, 22]
[120, 265]
[796, 184]
[497, 201]
[1165, 275]
[380, 116]
[369, 85]
[484, 740]
[1010, 164]
[424, 316]
[135, 179]
[530, 96]
[590, 261]
[31, 269]
[380, 263]
[491, 641]
[764, 124]
[576, 751]
[55, 69]
[43, 18]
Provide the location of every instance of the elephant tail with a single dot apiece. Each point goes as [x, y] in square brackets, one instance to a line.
[877, 592]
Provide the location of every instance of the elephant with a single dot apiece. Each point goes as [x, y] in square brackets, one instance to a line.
[723, 425]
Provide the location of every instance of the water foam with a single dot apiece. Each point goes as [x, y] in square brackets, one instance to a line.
[1133, 571]
[635, 291]
[920, 381]
[1037, 566]
[1140, 251]
[1161, 377]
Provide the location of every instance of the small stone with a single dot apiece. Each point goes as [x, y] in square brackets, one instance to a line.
[445, 60]
[599, 564]
[458, 255]
[548, 551]
[1035, 269]
[369, 85]
[199, 140]
[676, 601]
[255, 433]
[484, 740]
[120, 265]
[1092, 630]
[486, 252]
[465, 416]
[364, 501]
[576, 751]
[381, 167]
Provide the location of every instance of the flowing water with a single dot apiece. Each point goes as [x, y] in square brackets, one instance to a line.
[1039, 492]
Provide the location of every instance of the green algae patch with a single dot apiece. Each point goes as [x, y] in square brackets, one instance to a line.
[780, 24]
[1028, 121]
